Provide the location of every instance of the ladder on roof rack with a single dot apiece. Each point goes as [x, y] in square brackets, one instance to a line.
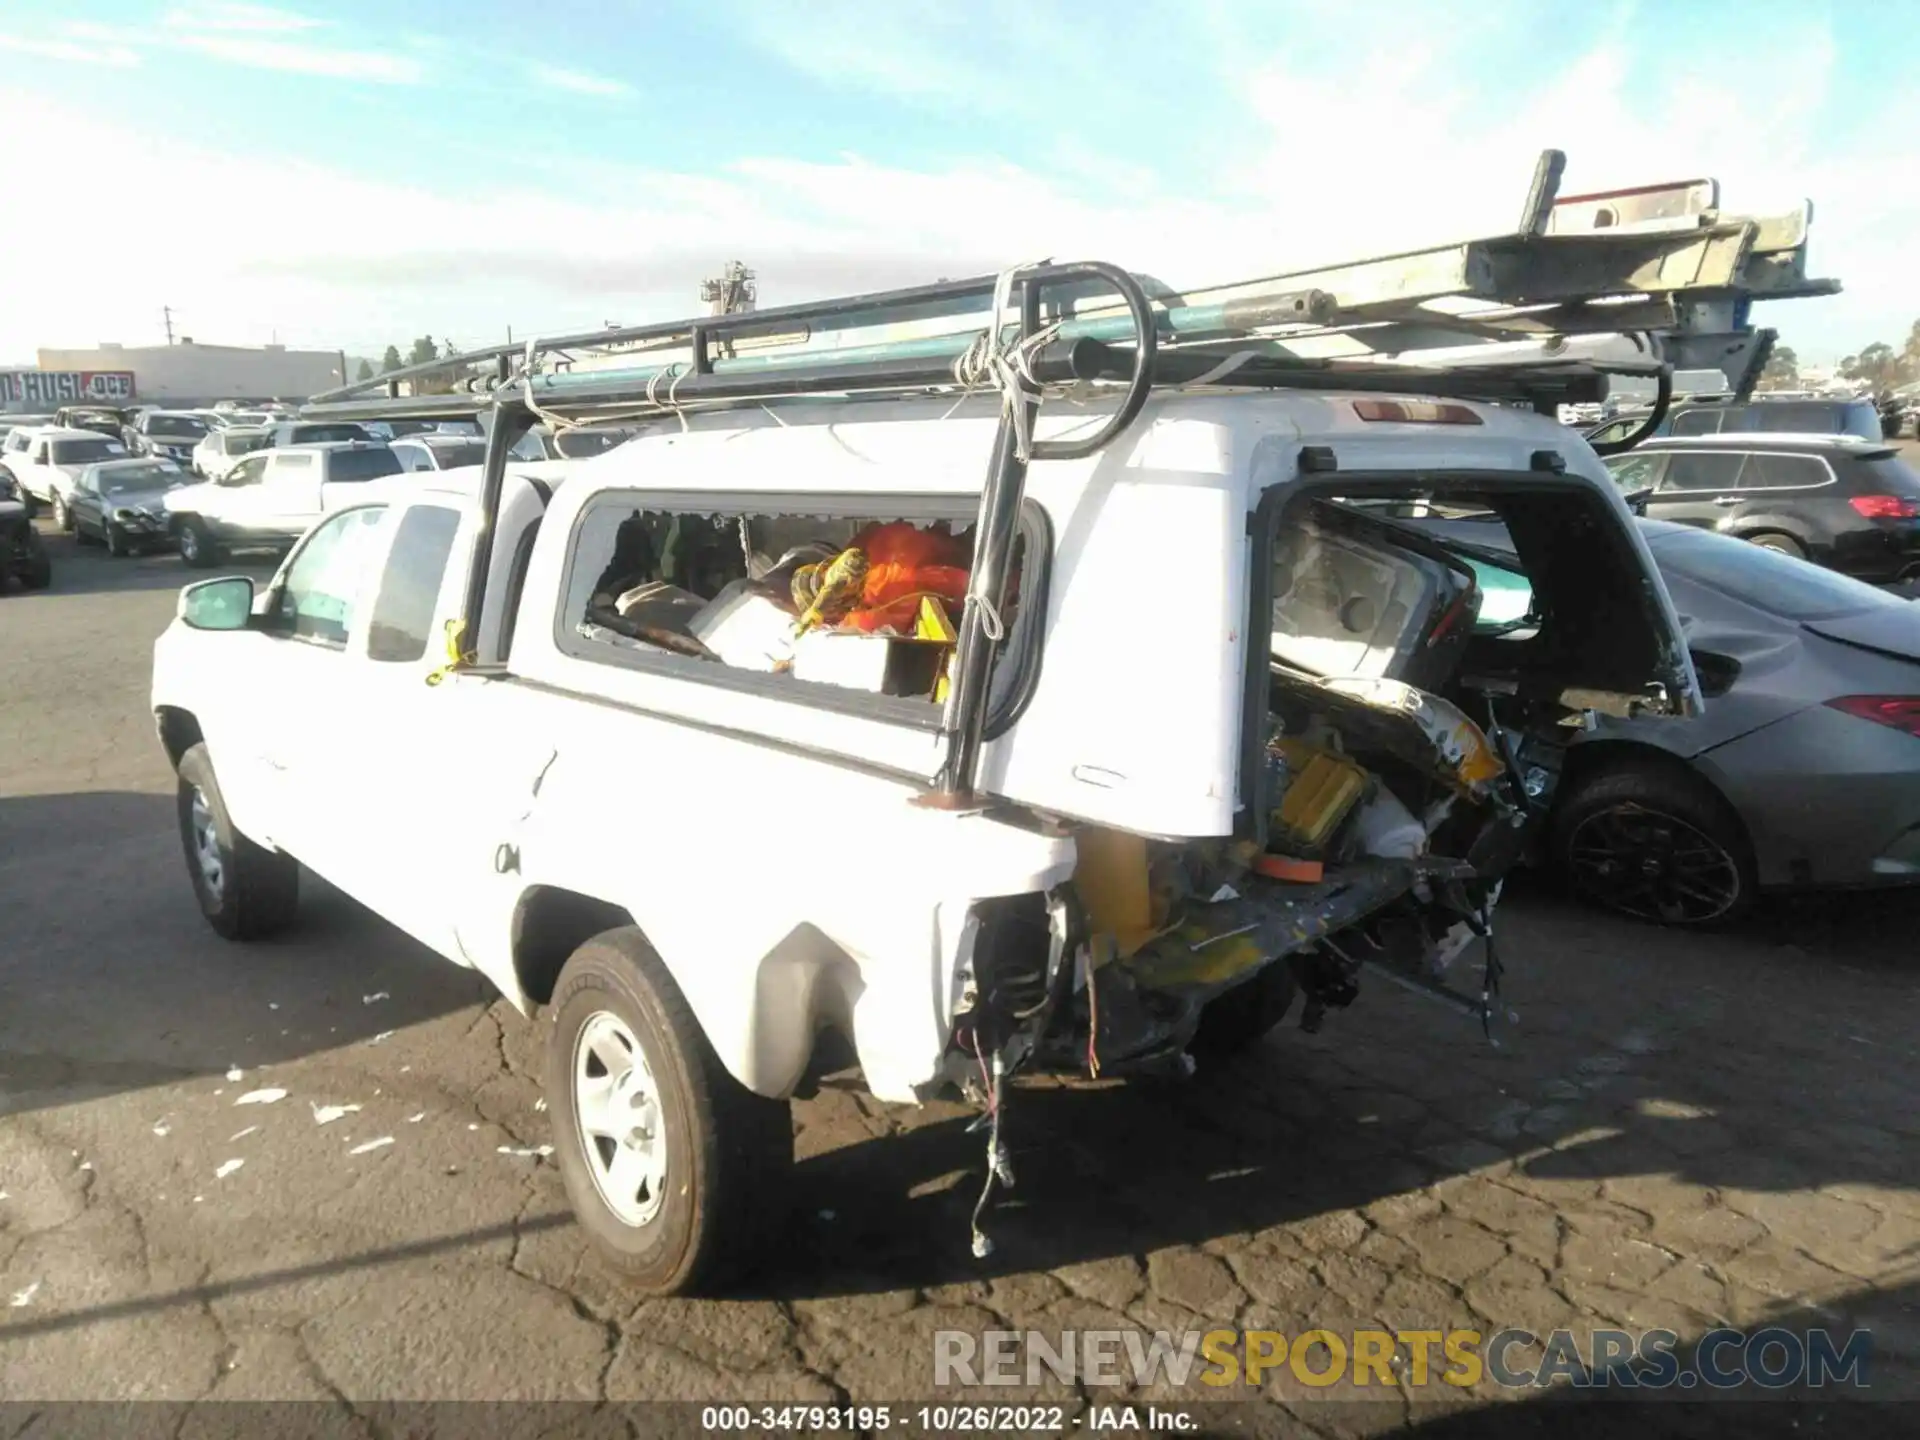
[1642, 281]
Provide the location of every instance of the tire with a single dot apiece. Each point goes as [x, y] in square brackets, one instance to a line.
[62, 516]
[1784, 544]
[1657, 843]
[727, 1151]
[197, 546]
[1244, 1015]
[246, 891]
[115, 538]
[36, 571]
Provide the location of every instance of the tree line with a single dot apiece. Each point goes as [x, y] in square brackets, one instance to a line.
[1878, 367]
[422, 352]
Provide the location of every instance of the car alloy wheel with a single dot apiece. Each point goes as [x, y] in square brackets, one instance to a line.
[206, 845]
[1653, 865]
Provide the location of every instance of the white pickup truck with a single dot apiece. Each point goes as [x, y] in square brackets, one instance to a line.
[1247, 739]
[269, 500]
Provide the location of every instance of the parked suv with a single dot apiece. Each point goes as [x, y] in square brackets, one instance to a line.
[316, 432]
[166, 435]
[1851, 505]
[45, 463]
[1764, 414]
[223, 449]
[269, 499]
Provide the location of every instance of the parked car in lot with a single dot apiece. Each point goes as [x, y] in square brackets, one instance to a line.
[1803, 769]
[269, 499]
[10, 422]
[22, 556]
[101, 419]
[122, 504]
[1763, 414]
[166, 434]
[315, 432]
[577, 442]
[1848, 504]
[225, 447]
[46, 461]
[439, 452]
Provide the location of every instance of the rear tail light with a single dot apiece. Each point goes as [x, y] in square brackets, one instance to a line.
[1902, 712]
[1886, 507]
[1416, 412]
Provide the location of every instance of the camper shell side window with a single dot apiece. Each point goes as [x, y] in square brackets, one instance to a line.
[845, 602]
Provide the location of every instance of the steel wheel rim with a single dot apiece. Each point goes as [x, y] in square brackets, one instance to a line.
[1653, 865]
[206, 843]
[621, 1130]
[189, 543]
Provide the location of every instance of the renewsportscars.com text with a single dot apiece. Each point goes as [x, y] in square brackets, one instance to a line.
[1771, 1358]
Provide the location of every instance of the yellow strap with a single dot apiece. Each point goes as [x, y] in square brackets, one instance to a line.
[456, 657]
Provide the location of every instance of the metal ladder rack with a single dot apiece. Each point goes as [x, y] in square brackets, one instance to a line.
[1641, 281]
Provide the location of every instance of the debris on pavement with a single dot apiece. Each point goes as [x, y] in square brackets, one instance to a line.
[327, 1114]
[369, 1145]
[527, 1152]
[381, 1038]
[235, 1073]
[227, 1167]
[540, 1104]
[375, 998]
[23, 1298]
[272, 1095]
[161, 1128]
[242, 1134]
[416, 1119]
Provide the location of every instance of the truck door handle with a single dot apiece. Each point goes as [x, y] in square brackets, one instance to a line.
[1726, 499]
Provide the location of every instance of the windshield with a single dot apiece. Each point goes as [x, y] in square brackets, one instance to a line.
[459, 452]
[362, 464]
[578, 444]
[124, 479]
[326, 434]
[81, 452]
[177, 427]
[1765, 579]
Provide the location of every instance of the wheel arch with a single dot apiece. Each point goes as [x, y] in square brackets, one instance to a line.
[179, 731]
[1591, 759]
[549, 924]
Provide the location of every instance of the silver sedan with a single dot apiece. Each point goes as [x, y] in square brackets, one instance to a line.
[1803, 770]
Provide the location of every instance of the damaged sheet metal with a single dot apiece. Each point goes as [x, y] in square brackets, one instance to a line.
[1421, 728]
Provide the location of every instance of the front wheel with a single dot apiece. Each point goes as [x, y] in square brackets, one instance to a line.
[62, 516]
[246, 891]
[197, 545]
[675, 1169]
[1783, 544]
[1657, 843]
[116, 539]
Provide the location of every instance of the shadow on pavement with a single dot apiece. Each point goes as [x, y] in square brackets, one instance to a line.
[111, 980]
[86, 568]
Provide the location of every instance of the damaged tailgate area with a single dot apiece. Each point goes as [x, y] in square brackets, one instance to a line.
[1404, 728]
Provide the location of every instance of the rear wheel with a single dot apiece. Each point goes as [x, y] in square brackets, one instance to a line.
[197, 545]
[1655, 842]
[1241, 1017]
[246, 891]
[1785, 544]
[675, 1169]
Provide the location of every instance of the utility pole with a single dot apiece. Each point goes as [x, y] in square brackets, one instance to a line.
[166, 314]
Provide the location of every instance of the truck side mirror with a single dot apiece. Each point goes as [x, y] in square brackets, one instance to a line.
[223, 604]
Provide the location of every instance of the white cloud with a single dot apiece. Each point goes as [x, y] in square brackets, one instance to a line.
[115, 56]
[255, 19]
[307, 59]
[1356, 152]
[580, 82]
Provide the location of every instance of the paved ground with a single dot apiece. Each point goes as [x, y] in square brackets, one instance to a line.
[1680, 1133]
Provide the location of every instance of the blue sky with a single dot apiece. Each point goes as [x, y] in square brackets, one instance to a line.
[350, 173]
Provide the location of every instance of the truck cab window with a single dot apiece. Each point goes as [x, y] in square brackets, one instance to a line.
[322, 582]
[410, 586]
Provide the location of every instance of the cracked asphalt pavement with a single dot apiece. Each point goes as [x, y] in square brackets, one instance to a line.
[314, 1169]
